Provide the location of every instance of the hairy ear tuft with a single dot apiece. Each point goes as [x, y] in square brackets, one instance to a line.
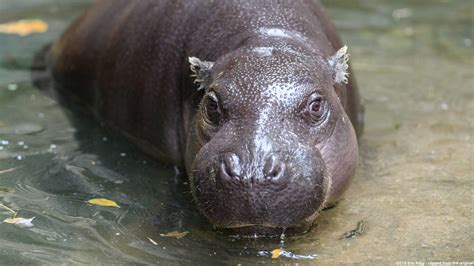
[339, 65]
[201, 71]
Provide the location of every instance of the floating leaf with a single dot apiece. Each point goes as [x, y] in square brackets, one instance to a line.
[20, 222]
[282, 253]
[24, 27]
[7, 189]
[361, 227]
[276, 253]
[103, 202]
[176, 234]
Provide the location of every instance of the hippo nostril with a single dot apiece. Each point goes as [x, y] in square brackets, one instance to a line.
[230, 166]
[274, 168]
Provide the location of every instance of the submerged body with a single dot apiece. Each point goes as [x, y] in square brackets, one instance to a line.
[266, 128]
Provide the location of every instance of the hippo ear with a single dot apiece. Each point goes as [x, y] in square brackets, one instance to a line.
[339, 65]
[201, 71]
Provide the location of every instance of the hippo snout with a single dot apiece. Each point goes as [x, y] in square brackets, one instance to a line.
[260, 193]
[231, 168]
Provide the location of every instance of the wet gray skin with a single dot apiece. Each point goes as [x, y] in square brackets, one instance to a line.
[265, 129]
[264, 142]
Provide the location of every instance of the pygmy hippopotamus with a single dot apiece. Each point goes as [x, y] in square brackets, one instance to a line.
[253, 98]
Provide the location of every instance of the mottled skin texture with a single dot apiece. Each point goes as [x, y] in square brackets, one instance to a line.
[260, 154]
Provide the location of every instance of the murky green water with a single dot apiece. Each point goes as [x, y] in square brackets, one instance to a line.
[414, 63]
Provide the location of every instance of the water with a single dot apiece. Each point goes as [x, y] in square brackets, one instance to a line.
[414, 190]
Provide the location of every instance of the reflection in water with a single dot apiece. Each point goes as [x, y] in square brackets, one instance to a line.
[413, 61]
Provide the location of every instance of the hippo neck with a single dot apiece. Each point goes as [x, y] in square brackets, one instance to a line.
[214, 33]
[265, 39]
[282, 40]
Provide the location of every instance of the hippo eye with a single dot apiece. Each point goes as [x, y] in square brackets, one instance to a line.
[212, 108]
[316, 109]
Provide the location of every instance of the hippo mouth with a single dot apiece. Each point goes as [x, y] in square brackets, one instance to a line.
[269, 230]
[285, 197]
[250, 212]
[255, 231]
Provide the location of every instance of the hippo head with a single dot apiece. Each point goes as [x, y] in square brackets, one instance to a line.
[271, 144]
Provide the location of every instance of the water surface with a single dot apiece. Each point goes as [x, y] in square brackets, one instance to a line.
[414, 64]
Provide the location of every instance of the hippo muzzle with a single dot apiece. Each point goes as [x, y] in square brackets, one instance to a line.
[259, 192]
